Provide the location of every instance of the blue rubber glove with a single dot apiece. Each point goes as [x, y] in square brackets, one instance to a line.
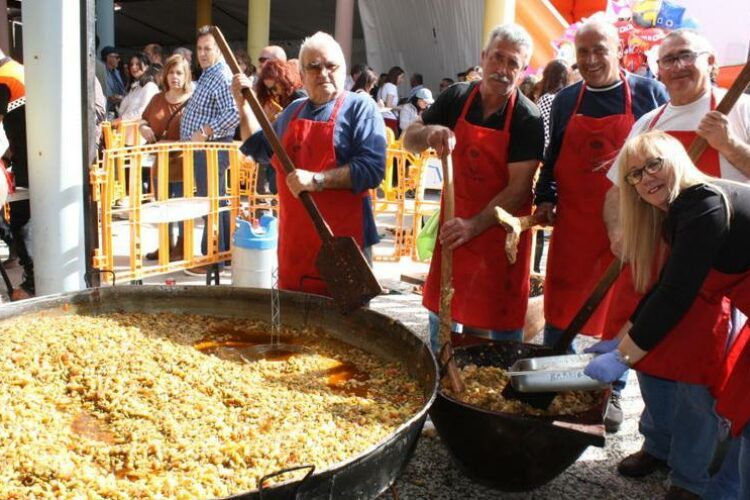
[606, 367]
[603, 346]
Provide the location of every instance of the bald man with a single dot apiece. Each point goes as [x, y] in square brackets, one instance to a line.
[270, 53]
[589, 122]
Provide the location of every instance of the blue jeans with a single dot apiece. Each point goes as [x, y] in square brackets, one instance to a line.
[497, 335]
[732, 482]
[201, 187]
[679, 425]
[551, 336]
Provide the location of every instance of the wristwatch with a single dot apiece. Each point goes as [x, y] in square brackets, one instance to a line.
[624, 358]
[319, 179]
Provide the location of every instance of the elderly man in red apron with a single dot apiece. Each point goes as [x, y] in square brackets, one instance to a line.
[589, 123]
[496, 137]
[336, 139]
[686, 442]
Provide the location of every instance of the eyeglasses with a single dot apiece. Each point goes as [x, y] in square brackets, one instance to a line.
[651, 166]
[686, 58]
[317, 67]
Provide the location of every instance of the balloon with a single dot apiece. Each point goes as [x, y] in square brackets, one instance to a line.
[645, 12]
[644, 39]
[620, 9]
[689, 23]
[625, 29]
[670, 15]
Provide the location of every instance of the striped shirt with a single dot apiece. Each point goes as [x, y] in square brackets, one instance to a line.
[211, 104]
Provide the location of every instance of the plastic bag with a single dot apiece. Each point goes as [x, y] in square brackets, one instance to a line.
[427, 236]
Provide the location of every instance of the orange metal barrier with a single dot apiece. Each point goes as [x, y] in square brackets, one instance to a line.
[164, 209]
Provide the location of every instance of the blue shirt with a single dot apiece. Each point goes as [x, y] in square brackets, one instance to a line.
[212, 104]
[358, 139]
[646, 93]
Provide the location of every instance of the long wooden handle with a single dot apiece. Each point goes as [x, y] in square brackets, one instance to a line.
[700, 144]
[321, 226]
[583, 315]
[446, 283]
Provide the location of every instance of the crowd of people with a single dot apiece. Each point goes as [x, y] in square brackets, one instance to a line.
[596, 151]
[612, 187]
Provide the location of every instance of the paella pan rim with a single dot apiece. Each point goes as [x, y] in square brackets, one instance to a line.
[391, 453]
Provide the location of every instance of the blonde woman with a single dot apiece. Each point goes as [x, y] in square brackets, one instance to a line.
[161, 122]
[693, 232]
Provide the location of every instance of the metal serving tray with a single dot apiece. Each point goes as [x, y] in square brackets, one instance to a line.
[553, 373]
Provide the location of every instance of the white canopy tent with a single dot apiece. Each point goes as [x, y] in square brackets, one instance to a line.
[437, 38]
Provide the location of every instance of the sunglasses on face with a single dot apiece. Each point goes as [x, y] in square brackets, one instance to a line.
[651, 166]
[317, 67]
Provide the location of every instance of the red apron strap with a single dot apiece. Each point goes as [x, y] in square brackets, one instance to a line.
[656, 118]
[510, 107]
[297, 111]
[334, 112]
[468, 102]
[663, 108]
[626, 89]
[628, 95]
[579, 99]
[337, 106]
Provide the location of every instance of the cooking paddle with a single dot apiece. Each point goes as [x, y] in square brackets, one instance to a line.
[340, 262]
[446, 284]
[543, 399]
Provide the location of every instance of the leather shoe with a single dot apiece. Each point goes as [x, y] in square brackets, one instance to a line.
[640, 464]
[677, 493]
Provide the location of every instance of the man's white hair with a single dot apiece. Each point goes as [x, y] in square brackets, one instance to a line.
[701, 42]
[608, 30]
[320, 41]
[514, 34]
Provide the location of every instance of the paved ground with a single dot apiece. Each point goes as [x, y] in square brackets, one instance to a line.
[431, 474]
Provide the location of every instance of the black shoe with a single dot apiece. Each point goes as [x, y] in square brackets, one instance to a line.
[677, 493]
[613, 414]
[27, 285]
[640, 464]
[28, 279]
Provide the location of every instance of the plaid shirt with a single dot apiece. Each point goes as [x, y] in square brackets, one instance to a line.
[545, 106]
[211, 104]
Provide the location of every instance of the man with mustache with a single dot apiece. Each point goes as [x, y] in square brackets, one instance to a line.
[679, 423]
[336, 139]
[496, 137]
[589, 122]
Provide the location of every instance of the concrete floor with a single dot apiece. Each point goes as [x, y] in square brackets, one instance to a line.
[432, 474]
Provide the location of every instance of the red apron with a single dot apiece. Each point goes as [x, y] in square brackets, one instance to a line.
[696, 347]
[732, 389]
[488, 292]
[579, 251]
[310, 146]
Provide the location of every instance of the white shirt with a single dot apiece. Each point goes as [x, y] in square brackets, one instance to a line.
[135, 101]
[407, 115]
[388, 90]
[687, 118]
